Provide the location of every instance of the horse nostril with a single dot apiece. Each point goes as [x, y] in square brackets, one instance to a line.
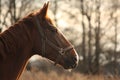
[74, 59]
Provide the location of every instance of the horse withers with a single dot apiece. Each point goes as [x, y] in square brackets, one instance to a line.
[34, 34]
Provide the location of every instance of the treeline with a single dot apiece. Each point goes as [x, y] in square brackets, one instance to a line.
[98, 38]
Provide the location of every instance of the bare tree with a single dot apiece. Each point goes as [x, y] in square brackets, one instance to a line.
[55, 11]
[86, 11]
[113, 54]
[12, 10]
[88, 16]
[14, 13]
[83, 33]
[115, 48]
[115, 18]
[115, 42]
[97, 37]
[0, 18]
[115, 6]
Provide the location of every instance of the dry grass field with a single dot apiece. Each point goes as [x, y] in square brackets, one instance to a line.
[27, 75]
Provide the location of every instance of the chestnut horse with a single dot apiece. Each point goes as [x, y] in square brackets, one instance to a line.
[34, 34]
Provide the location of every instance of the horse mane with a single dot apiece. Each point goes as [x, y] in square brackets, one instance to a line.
[9, 38]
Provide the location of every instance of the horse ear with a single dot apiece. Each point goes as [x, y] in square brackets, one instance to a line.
[44, 9]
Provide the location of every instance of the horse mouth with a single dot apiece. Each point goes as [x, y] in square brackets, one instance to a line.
[70, 66]
[71, 63]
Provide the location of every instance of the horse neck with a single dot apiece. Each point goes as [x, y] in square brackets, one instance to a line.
[17, 42]
[17, 37]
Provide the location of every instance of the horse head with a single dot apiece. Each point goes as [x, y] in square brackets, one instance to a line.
[51, 43]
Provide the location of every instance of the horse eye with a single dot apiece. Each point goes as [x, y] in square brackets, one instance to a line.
[54, 30]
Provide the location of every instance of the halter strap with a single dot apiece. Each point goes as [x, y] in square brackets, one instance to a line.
[42, 34]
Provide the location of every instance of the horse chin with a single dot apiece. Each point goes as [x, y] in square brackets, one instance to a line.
[68, 67]
[68, 70]
[68, 64]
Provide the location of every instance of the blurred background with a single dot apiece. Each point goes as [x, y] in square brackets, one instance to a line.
[93, 28]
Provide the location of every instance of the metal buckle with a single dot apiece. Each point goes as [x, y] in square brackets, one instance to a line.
[61, 51]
